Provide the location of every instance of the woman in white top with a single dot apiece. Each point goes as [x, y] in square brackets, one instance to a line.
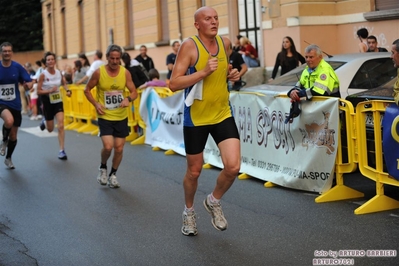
[49, 88]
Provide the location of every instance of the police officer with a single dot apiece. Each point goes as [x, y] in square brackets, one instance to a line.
[318, 78]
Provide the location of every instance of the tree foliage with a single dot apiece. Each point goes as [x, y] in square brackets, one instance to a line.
[21, 24]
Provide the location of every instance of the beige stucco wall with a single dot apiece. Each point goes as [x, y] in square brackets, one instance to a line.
[28, 57]
[332, 24]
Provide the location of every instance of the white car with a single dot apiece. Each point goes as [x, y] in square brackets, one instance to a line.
[356, 72]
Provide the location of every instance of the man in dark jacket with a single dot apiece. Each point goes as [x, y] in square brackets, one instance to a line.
[138, 72]
[145, 59]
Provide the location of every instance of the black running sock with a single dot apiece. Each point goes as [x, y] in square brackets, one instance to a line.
[6, 133]
[113, 171]
[10, 148]
[103, 166]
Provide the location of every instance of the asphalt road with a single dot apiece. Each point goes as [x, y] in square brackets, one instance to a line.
[53, 212]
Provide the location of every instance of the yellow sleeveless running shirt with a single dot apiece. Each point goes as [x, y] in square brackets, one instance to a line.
[214, 106]
[110, 94]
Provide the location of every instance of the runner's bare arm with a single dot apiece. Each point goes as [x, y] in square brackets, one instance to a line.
[89, 86]
[132, 89]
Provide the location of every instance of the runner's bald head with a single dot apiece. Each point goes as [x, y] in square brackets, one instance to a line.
[200, 11]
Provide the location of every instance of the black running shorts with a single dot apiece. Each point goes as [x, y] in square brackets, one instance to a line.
[49, 109]
[15, 113]
[195, 137]
[118, 129]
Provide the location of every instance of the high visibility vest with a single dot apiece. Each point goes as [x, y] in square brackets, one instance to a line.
[321, 81]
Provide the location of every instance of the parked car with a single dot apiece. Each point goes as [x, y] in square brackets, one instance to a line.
[385, 93]
[356, 72]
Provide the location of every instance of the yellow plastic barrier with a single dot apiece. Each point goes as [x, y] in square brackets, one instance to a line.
[82, 111]
[379, 202]
[348, 126]
[67, 103]
[137, 118]
[131, 118]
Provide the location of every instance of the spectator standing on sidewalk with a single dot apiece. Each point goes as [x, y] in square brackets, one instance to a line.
[237, 61]
[202, 63]
[39, 111]
[93, 67]
[80, 72]
[85, 61]
[395, 59]
[48, 88]
[11, 75]
[26, 104]
[144, 59]
[33, 93]
[136, 70]
[171, 58]
[288, 59]
[362, 34]
[111, 80]
[373, 45]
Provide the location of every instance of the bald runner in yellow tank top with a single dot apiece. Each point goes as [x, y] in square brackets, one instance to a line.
[110, 94]
[214, 106]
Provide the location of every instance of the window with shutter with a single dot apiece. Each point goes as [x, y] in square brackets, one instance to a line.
[386, 4]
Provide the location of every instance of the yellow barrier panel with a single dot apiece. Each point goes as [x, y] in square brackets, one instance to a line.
[348, 127]
[132, 122]
[86, 112]
[379, 202]
[139, 121]
[67, 104]
[73, 111]
[80, 111]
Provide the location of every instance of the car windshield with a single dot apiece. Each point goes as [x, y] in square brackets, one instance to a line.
[374, 73]
[292, 77]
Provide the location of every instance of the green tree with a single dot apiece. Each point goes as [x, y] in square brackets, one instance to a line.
[21, 24]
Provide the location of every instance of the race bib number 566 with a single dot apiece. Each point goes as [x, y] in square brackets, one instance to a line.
[7, 92]
[113, 99]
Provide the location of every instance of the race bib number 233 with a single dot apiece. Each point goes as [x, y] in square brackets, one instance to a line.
[7, 92]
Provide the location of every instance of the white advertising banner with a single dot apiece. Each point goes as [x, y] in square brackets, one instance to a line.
[164, 120]
[299, 155]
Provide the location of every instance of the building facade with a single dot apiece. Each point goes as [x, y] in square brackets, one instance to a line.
[74, 26]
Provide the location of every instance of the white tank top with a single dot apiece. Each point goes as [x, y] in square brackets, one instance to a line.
[51, 80]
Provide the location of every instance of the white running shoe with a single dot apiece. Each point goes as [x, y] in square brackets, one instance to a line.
[9, 163]
[3, 147]
[189, 227]
[102, 176]
[218, 220]
[112, 182]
